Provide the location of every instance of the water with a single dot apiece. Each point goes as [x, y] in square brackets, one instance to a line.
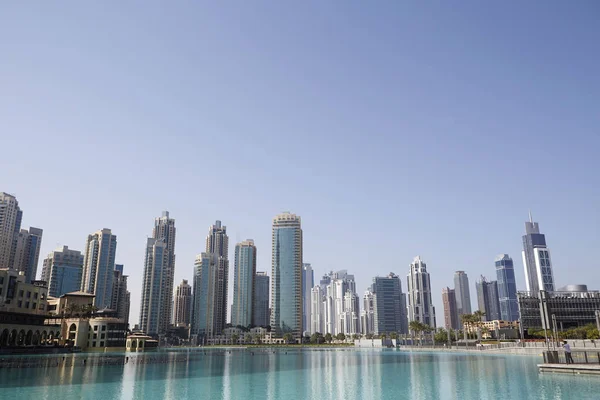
[321, 374]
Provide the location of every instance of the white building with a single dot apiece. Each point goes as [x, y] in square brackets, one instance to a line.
[420, 305]
[367, 318]
[317, 315]
[10, 224]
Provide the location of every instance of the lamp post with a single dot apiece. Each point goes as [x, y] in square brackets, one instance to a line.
[554, 329]
[598, 320]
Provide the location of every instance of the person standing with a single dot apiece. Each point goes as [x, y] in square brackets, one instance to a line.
[568, 355]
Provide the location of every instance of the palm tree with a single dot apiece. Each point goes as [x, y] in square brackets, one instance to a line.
[234, 338]
[418, 328]
[477, 318]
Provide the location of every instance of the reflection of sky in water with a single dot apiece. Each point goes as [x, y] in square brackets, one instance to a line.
[311, 374]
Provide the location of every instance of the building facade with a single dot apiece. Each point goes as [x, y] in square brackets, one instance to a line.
[286, 275]
[62, 270]
[507, 288]
[367, 315]
[260, 308]
[98, 267]
[244, 273]
[308, 282]
[183, 304]
[389, 305]
[154, 311]
[462, 293]
[121, 298]
[487, 299]
[420, 305]
[536, 259]
[10, 225]
[317, 314]
[568, 307]
[451, 320]
[27, 252]
[211, 272]
[165, 231]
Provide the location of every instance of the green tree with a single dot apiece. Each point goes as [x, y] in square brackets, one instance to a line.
[355, 337]
[369, 336]
[288, 338]
[441, 336]
[394, 335]
[235, 338]
[328, 337]
[317, 338]
[341, 337]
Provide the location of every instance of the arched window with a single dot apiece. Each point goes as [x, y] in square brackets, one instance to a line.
[28, 338]
[4, 338]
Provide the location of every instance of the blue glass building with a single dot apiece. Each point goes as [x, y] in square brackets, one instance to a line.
[286, 275]
[98, 267]
[243, 283]
[507, 288]
[62, 271]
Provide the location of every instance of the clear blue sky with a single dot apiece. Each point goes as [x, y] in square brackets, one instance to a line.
[393, 129]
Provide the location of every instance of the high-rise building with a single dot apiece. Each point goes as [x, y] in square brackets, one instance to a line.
[154, 317]
[389, 311]
[243, 283]
[308, 282]
[367, 315]
[183, 304]
[317, 314]
[121, 298]
[156, 306]
[62, 270]
[507, 288]
[98, 267]
[350, 316]
[260, 309]
[27, 252]
[420, 305]
[10, 225]
[334, 307]
[487, 299]
[451, 320]
[462, 293]
[536, 259]
[211, 274]
[164, 230]
[286, 275]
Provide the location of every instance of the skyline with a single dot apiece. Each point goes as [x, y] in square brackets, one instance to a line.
[360, 292]
[436, 127]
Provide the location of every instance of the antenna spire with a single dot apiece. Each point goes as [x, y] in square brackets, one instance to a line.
[530, 217]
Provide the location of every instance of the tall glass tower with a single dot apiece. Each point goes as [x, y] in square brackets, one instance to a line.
[462, 293]
[507, 288]
[286, 275]
[243, 283]
[420, 305]
[536, 259]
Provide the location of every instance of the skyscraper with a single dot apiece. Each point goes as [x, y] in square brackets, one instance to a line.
[121, 298]
[350, 316]
[340, 283]
[211, 273]
[507, 288]
[183, 304]
[317, 314]
[308, 282]
[389, 311]
[487, 298]
[98, 267]
[154, 310]
[27, 252]
[260, 309]
[420, 306]
[62, 270]
[536, 259]
[243, 283]
[367, 315]
[159, 271]
[462, 293]
[164, 230]
[286, 275]
[451, 320]
[10, 224]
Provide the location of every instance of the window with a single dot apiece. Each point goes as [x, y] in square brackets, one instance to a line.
[102, 336]
[27, 304]
[95, 328]
[103, 328]
[95, 336]
[101, 344]
[35, 295]
[1, 280]
[34, 306]
[20, 293]
[19, 303]
[28, 295]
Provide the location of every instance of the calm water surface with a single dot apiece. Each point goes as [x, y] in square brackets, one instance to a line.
[309, 374]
